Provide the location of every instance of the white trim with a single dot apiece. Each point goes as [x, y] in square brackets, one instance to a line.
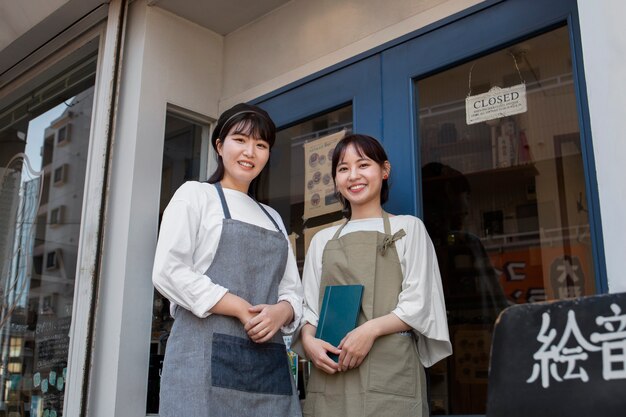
[189, 114]
[209, 159]
[603, 41]
[101, 129]
[155, 71]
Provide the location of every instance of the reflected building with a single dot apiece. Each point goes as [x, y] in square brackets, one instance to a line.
[41, 214]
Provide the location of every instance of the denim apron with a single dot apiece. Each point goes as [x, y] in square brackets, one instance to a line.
[391, 380]
[211, 367]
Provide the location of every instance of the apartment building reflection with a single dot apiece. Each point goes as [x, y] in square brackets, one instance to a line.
[41, 205]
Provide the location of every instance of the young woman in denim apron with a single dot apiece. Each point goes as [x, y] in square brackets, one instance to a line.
[402, 323]
[224, 261]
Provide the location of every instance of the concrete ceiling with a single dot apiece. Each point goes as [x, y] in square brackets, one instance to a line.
[220, 16]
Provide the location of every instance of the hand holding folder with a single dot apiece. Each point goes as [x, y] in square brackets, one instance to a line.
[339, 313]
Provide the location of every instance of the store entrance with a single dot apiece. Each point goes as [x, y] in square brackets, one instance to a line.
[507, 190]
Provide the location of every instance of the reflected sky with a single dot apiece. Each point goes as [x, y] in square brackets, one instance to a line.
[35, 135]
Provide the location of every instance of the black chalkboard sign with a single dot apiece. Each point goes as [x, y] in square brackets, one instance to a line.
[562, 358]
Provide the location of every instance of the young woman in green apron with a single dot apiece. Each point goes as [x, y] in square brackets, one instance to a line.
[224, 262]
[402, 323]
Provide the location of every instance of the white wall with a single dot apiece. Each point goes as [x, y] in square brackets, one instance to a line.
[304, 37]
[166, 60]
[604, 54]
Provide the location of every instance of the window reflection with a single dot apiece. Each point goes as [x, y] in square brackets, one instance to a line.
[504, 202]
[42, 178]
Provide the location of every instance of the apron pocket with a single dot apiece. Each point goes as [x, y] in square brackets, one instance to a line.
[243, 365]
[393, 366]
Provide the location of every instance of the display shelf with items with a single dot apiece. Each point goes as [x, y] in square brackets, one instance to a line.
[467, 150]
[483, 147]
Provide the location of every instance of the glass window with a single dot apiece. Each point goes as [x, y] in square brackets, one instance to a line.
[286, 192]
[59, 174]
[40, 218]
[183, 160]
[63, 135]
[504, 202]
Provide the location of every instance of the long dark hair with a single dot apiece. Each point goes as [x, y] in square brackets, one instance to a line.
[249, 120]
[365, 146]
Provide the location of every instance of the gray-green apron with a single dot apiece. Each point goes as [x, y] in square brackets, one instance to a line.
[391, 380]
[211, 367]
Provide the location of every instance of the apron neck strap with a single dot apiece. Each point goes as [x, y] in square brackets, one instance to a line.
[220, 191]
[386, 224]
[338, 232]
[218, 187]
[269, 216]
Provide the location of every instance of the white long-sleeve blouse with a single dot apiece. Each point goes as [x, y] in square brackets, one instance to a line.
[188, 239]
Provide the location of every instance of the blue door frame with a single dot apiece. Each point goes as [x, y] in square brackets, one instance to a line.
[380, 85]
[358, 84]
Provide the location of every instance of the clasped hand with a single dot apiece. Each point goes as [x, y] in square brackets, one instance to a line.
[352, 350]
[265, 320]
[355, 346]
[317, 351]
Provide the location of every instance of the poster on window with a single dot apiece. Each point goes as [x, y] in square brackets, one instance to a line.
[319, 191]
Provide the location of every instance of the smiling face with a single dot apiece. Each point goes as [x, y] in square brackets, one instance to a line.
[359, 179]
[244, 157]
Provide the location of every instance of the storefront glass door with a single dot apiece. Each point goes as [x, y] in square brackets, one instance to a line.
[504, 199]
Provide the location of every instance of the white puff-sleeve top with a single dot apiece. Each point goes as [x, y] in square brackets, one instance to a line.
[421, 302]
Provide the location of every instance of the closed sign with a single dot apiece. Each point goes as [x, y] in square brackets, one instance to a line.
[497, 102]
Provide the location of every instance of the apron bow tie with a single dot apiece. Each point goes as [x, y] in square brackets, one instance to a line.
[389, 239]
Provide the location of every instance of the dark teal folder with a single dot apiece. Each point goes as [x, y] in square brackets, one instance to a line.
[339, 313]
